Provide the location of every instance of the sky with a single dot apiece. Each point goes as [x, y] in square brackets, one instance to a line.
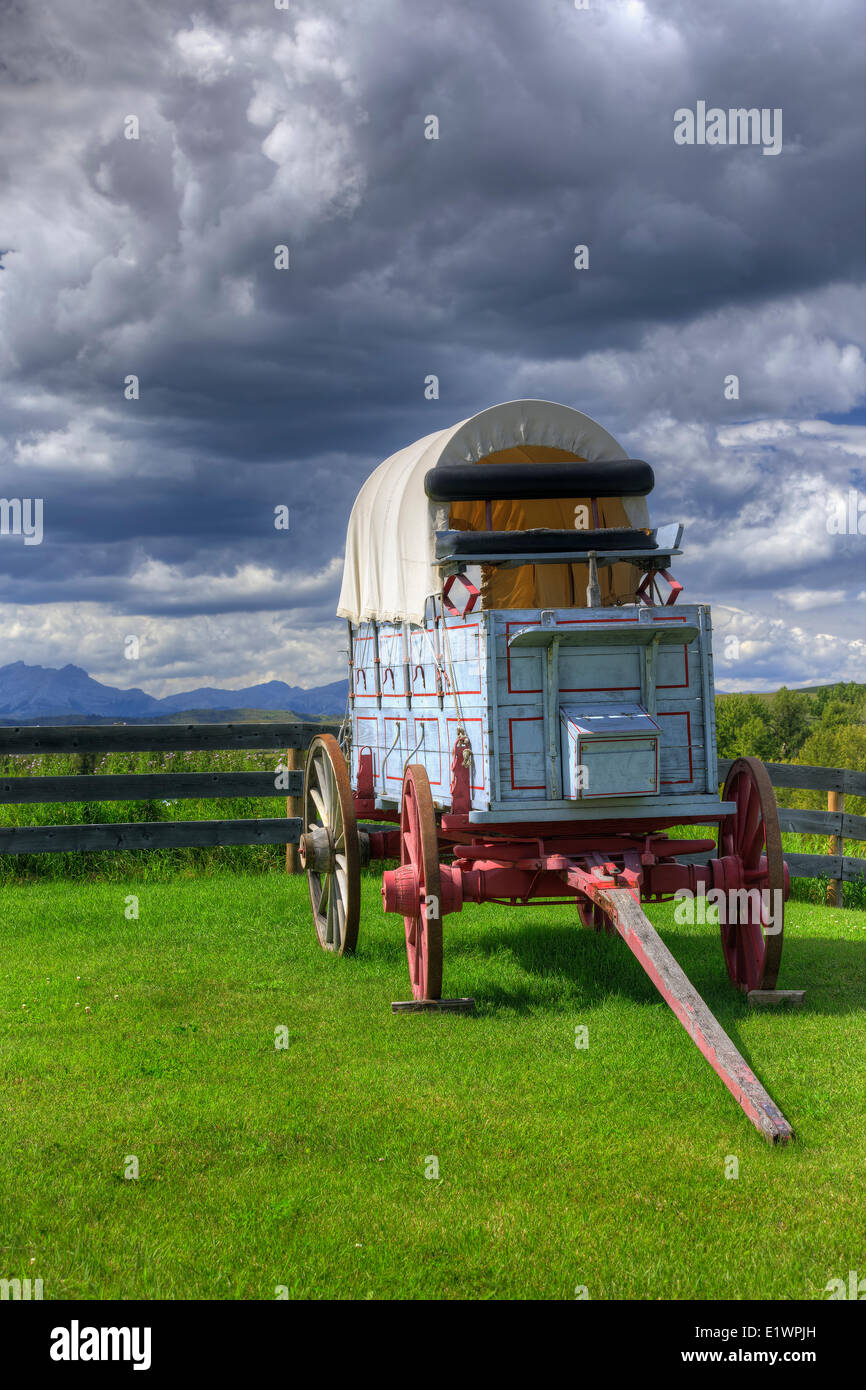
[306, 127]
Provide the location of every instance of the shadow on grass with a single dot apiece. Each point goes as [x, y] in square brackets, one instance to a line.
[596, 966]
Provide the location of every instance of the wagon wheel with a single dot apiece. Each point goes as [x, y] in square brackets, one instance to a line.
[752, 934]
[328, 848]
[419, 848]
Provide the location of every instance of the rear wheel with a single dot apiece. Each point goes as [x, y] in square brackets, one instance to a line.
[328, 849]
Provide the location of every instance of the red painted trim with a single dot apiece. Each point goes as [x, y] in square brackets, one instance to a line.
[593, 689]
[683, 685]
[675, 618]
[389, 739]
[474, 595]
[464, 722]
[645, 791]
[421, 657]
[431, 719]
[391, 661]
[565, 689]
[366, 743]
[523, 719]
[466, 627]
[534, 622]
[362, 667]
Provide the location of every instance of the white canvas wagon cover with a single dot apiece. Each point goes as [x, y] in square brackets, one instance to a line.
[390, 567]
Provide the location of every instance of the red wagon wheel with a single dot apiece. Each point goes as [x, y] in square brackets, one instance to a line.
[329, 848]
[419, 849]
[752, 933]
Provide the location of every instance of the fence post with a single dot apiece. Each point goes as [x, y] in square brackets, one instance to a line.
[835, 802]
[294, 807]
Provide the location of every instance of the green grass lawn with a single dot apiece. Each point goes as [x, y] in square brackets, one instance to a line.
[304, 1167]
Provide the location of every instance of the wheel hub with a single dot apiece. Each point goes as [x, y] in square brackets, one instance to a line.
[401, 891]
[316, 850]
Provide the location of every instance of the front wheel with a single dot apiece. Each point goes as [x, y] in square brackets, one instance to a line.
[419, 850]
[750, 859]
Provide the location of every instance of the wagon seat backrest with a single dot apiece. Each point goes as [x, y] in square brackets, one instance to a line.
[544, 586]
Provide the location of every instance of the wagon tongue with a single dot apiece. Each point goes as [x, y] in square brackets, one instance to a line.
[613, 896]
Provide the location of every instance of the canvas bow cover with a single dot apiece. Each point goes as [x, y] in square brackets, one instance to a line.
[390, 566]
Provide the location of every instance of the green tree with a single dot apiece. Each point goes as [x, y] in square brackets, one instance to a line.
[789, 720]
[742, 727]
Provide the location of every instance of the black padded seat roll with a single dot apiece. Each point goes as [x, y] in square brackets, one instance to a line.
[483, 482]
[541, 542]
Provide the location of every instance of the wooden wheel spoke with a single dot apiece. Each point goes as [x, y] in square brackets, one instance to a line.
[333, 914]
[335, 895]
[419, 848]
[325, 895]
[752, 835]
[337, 888]
[753, 953]
[753, 828]
[319, 803]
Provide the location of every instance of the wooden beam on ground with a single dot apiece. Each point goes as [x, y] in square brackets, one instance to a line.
[763, 997]
[680, 994]
[434, 1006]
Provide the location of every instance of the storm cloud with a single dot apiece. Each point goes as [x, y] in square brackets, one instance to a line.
[304, 127]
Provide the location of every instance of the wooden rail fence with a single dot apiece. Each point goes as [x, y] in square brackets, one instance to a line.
[144, 786]
[837, 824]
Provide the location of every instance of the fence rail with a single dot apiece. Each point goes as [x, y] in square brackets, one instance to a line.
[86, 786]
[836, 823]
[152, 738]
[816, 779]
[42, 839]
[87, 740]
[148, 786]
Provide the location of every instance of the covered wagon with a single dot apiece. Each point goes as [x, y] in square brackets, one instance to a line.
[531, 714]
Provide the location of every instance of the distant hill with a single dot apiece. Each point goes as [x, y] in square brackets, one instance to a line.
[31, 693]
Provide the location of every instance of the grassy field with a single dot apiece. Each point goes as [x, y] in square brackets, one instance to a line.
[305, 1166]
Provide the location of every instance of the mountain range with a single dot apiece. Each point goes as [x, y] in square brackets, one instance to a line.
[39, 692]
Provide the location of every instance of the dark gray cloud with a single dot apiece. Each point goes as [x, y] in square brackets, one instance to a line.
[409, 256]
